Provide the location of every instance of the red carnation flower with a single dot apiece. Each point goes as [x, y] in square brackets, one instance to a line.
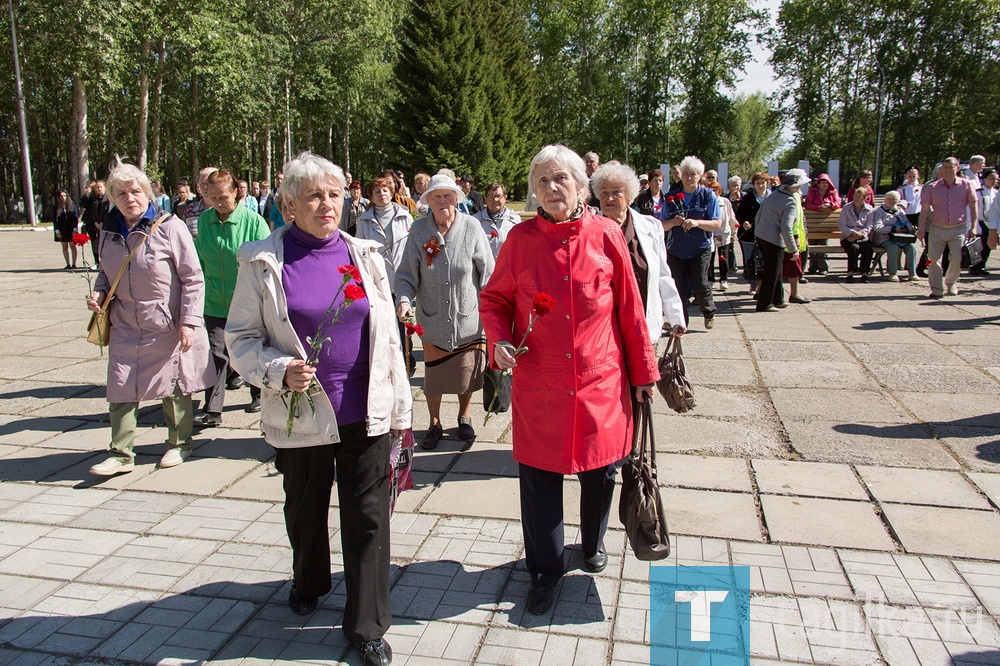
[353, 292]
[680, 195]
[494, 234]
[414, 328]
[670, 199]
[543, 304]
[80, 240]
[352, 271]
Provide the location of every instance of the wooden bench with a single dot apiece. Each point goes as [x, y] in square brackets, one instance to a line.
[822, 226]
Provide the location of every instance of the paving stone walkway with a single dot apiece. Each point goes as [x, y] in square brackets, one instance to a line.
[848, 451]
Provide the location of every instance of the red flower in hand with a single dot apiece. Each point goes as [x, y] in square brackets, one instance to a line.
[80, 240]
[670, 199]
[353, 292]
[680, 196]
[543, 304]
[414, 328]
[352, 271]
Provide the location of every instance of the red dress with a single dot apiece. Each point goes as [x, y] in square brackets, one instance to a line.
[571, 403]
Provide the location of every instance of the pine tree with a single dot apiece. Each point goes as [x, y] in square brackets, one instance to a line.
[441, 113]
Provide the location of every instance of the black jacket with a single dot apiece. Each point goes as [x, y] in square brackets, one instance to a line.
[747, 212]
[644, 203]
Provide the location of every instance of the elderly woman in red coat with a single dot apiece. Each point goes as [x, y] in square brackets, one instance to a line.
[573, 390]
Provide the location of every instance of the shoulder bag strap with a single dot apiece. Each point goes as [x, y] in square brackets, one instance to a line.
[128, 260]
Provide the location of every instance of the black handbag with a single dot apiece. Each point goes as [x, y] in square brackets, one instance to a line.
[901, 238]
[640, 508]
[496, 390]
[673, 384]
[972, 252]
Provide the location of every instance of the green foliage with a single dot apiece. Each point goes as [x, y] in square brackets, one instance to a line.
[929, 67]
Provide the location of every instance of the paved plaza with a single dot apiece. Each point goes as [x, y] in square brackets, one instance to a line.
[847, 451]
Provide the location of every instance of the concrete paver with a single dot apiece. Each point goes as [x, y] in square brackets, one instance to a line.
[845, 451]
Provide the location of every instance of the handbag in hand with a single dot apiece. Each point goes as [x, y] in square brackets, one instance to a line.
[640, 508]
[673, 384]
[99, 328]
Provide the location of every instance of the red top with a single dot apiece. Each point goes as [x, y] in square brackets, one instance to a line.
[572, 409]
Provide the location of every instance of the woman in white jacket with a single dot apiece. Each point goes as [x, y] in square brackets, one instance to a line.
[310, 276]
[617, 186]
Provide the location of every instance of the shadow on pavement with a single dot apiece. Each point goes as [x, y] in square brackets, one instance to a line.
[234, 621]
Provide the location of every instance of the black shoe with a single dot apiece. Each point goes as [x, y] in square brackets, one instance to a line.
[540, 599]
[466, 432]
[375, 652]
[850, 278]
[300, 604]
[254, 406]
[235, 384]
[596, 563]
[781, 306]
[432, 437]
[803, 280]
[769, 308]
[67, 268]
[208, 420]
[864, 278]
[799, 300]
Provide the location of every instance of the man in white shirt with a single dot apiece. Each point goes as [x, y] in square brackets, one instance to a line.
[987, 195]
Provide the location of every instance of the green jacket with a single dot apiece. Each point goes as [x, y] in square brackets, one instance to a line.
[799, 227]
[217, 244]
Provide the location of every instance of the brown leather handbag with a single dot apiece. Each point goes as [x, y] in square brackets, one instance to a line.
[99, 328]
[641, 508]
[674, 385]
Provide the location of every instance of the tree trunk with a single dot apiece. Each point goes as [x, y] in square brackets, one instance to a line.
[81, 148]
[195, 134]
[347, 139]
[309, 134]
[266, 157]
[176, 159]
[141, 151]
[154, 152]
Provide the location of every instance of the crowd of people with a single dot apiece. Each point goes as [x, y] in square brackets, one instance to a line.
[311, 295]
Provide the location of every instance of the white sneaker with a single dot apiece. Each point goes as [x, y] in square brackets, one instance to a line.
[724, 286]
[893, 278]
[953, 290]
[174, 457]
[112, 466]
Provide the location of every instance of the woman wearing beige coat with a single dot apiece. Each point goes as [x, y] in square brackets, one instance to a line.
[159, 346]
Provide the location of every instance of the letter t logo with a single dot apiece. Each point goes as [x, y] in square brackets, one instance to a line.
[701, 612]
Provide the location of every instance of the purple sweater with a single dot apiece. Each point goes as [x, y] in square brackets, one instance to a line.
[311, 279]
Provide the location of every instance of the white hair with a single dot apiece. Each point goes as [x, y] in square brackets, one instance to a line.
[562, 156]
[309, 168]
[446, 172]
[692, 163]
[612, 174]
[891, 194]
[977, 159]
[735, 180]
[123, 174]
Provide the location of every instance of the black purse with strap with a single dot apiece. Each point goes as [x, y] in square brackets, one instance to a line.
[641, 508]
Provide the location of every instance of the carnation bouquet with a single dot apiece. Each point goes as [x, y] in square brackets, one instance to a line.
[82, 241]
[540, 307]
[351, 286]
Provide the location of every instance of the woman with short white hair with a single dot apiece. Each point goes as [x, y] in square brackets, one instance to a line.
[568, 271]
[617, 186]
[312, 314]
[893, 232]
[692, 218]
[159, 345]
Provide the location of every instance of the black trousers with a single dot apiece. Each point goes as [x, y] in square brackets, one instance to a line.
[856, 249]
[770, 291]
[542, 518]
[691, 276]
[984, 233]
[361, 464]
[215, 397]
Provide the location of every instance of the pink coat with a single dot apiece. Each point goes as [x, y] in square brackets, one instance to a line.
[162, 289]
[572, 409]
